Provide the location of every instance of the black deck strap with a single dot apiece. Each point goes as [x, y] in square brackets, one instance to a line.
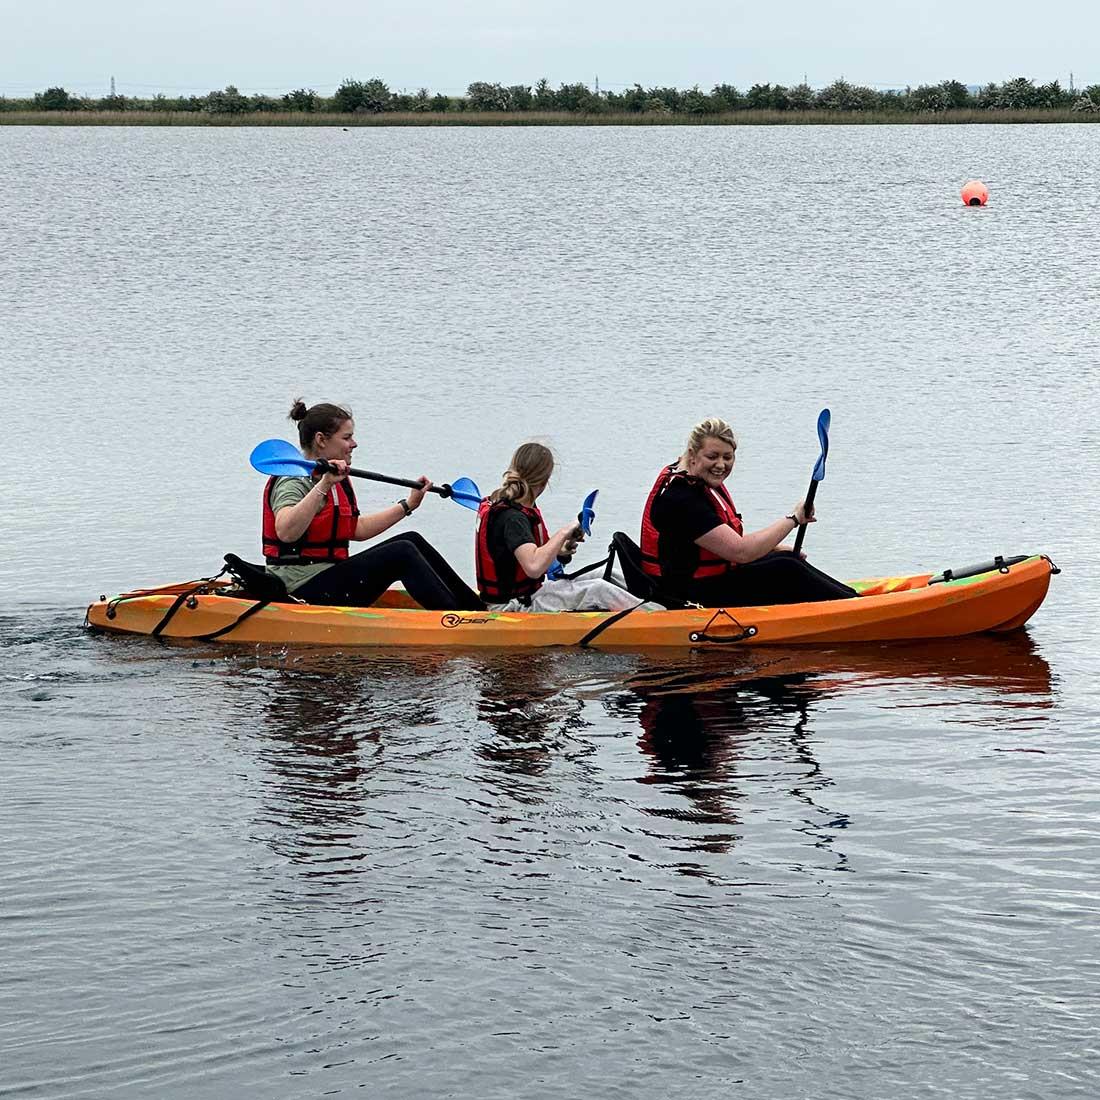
[138, 593]
[259, 605]
[704, 636]
[612, 554]
[586, 569]
[612, 551]
[635, 580]
[170, 614]
[199, 589]
[597, 630]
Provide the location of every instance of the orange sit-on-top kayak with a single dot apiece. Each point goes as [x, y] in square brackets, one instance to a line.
[996, 596]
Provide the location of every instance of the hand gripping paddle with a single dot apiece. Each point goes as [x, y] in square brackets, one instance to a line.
[584, 520]
[283, 459]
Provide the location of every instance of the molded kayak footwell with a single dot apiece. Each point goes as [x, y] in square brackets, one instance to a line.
[1003, 596]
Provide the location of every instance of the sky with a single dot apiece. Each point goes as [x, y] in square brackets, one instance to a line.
[278, 45]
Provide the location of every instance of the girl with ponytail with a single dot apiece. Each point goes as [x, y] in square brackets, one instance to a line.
[514, 549]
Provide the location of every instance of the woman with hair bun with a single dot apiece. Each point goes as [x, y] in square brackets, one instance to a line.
[309, 521]
[694, 545]
[514, 549]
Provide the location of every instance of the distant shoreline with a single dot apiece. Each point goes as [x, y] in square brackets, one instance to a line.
[962, 117]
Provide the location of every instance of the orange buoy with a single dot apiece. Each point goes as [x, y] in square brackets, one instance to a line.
[975, 193]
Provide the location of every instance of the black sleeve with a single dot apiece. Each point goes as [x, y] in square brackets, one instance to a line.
[512, 529]
[682, 510]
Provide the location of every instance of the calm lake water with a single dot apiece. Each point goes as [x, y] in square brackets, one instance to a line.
[848, 873]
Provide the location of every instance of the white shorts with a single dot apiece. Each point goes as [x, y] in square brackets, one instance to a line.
[579, 594]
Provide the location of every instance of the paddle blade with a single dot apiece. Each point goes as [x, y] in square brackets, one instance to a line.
[587, 513]
[466, 493]
[556, 571]
[278, 457]
[823, 422]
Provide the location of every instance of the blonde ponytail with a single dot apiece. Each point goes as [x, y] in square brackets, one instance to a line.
[527, 473]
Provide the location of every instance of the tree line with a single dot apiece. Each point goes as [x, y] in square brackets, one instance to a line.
[374, 96]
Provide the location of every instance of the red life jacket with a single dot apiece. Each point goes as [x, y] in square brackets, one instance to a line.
[325, 539]
[710, 565]
[501, 589]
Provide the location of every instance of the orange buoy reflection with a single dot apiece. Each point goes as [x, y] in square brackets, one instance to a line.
[975, 193]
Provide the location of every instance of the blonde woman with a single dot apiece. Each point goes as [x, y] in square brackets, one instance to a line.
[696, 549]
[514, 548]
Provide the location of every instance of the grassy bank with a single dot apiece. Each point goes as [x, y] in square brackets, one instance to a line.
[967, 116]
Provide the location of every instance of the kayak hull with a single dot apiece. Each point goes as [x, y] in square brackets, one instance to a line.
[888, 609]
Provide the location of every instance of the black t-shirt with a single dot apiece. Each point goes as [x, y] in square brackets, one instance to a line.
[509, 529]
[681, 514]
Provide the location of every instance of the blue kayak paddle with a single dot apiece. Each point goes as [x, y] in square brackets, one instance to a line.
[584, 517]
[823, 422]
[283, 459]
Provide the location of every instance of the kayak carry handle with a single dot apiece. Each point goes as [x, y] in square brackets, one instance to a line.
[722, 613]
[1000, 563]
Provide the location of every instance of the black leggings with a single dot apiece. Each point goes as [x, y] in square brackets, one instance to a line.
[408, 558]
[778, 577]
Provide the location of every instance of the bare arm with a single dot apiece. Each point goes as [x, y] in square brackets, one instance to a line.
[292, 521]
[368, 527]
[741, 549]
[535, 560]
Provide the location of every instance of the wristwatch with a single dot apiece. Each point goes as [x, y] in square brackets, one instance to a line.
[405, 506]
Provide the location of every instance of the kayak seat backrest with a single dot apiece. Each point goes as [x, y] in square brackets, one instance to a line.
[638, 582]
[256, 581]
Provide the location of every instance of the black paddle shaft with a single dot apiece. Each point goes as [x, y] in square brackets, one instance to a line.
[370, 475]
[808, 507]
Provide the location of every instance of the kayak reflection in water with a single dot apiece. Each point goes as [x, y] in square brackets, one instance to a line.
[310, 521]
[695, 547]
[514, 549]
[719, 745]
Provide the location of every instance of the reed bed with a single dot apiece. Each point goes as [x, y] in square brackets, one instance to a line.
[967, 116]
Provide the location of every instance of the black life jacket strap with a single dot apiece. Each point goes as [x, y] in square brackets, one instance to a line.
[290, 553]
[301, 559]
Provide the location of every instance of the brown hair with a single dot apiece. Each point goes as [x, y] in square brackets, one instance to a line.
[323, 418]
[529, 470]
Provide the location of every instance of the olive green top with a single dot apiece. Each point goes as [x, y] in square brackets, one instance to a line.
[285, 493]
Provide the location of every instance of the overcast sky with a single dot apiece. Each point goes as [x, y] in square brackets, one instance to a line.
[276, 45]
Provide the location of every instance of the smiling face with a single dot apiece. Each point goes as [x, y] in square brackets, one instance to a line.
[713, 461]
[338, 445]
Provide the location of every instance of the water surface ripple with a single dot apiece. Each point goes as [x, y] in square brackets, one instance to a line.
[840, 873]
